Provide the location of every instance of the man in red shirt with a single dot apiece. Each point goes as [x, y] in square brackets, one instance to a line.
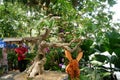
[21, 52]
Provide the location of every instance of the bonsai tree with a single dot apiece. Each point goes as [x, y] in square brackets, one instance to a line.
[38, 64]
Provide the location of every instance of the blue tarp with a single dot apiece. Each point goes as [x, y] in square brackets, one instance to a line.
[2, 43]
[11, 46]
[6, 45]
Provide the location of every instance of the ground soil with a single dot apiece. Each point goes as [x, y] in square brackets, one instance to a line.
[48, 75]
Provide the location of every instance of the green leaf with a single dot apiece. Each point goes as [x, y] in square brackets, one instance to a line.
[111, 2]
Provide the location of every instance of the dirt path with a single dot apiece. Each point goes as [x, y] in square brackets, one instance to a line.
[48, 75]
[9, 76]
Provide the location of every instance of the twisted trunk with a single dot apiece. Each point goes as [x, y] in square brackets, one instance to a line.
[37, 68]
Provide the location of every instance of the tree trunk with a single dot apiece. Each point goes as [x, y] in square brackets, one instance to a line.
[36, 68]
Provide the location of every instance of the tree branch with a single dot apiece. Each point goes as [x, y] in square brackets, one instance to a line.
[65, 45]
[46, 34]
[70, 49]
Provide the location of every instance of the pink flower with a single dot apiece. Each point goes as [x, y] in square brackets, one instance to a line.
[60, 65]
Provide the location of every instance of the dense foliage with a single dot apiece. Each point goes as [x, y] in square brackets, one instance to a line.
[90, 20]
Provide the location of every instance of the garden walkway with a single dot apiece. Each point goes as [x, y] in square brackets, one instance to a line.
[48, 75]
[9, 76]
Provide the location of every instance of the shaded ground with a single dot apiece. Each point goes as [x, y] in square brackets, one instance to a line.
[9, 76]
[52, 75]
[48, 75]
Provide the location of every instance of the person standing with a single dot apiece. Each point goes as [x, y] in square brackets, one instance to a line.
[5, 60]
[21, 54]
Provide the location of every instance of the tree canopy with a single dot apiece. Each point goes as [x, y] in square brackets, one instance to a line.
[89, 20]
